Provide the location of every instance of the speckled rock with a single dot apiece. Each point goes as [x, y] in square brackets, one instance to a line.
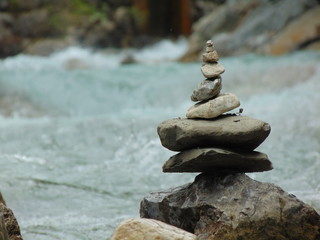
[217, 159]
[12, 229]
[225, 131]
[212, 70]
[206, 90]
[231, 207]
[215, 107]
[149, 229]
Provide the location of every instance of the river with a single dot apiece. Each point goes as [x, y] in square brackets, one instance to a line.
[78, 142]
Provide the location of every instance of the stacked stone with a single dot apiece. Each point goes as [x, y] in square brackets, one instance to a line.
[223, 202]
[210, 140]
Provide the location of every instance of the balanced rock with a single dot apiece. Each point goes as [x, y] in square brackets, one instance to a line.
[210, 57]
[217, 159]
[206, 90]
[149, 229]
[233, 206]
[228, 131]
[215, 107]
[212, 70]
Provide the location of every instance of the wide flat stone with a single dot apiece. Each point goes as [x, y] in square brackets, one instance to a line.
[215, 107]
[149, 229]
[206, 90]
[225, 131]
[217, 160]
[212, 70]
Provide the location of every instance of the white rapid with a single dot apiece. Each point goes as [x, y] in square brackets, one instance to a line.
[78, 142]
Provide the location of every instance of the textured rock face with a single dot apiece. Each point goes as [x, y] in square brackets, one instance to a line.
[227, 131]
[303, 30]
[206, 90]
[232, 207]
[11, 224]
[215, 107]
[217, 159]
[149, 229]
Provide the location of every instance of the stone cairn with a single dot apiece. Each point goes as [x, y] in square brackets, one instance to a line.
[223, 202]
[208, 139]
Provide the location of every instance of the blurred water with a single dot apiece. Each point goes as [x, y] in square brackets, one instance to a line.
[78, 142]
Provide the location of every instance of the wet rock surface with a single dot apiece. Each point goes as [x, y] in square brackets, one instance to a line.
[233, 206]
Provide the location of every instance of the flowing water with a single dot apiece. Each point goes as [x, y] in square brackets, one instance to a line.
[78, 142]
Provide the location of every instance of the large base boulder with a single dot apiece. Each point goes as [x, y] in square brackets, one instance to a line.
[232, 207]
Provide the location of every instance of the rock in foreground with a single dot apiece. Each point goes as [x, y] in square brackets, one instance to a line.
[215, 107]
[227, 131]
[149, 229]
[231, 207]
[12, 229]
[217, 159]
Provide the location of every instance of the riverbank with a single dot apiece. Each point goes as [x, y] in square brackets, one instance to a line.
[39, 27]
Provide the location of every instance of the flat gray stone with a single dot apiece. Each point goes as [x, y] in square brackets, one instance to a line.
[206, 90]
[215, 107]
[212, 70]
[225, 131]
[217, 160]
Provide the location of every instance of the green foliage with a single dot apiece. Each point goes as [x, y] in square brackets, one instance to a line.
[75, 13]
[82, 8]
[138, 17]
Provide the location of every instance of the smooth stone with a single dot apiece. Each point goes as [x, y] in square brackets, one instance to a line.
[215, 107]
[206, 90]
[217, 159]
[209, 49]
[210, 57]
[149, 229]
[233, 206]
[229, 131]
[209, 43]
[212, 70]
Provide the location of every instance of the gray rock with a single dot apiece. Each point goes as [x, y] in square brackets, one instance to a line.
[225, 131]
[212, 70]
[249, 24]
[233, 206]
[206, 90]
[215, 107]
[217, 159]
